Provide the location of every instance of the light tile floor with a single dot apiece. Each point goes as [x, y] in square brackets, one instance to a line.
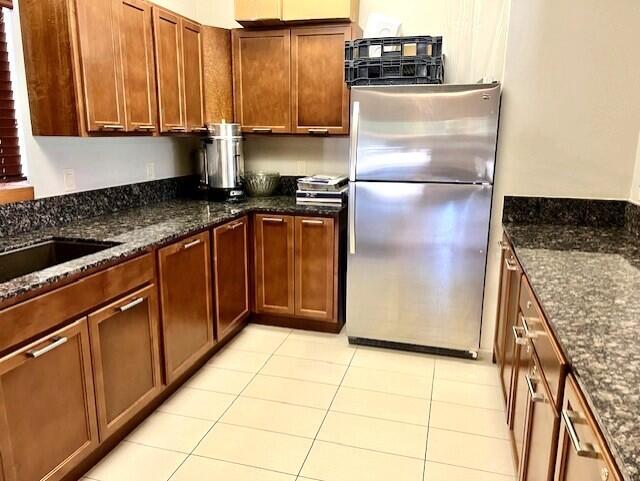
[283, 405]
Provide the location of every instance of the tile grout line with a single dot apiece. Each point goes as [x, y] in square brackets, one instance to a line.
[426, 444]
[228, 407]
[326, 413]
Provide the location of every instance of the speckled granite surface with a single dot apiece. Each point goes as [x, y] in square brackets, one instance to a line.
[138, 230]
[588, 281]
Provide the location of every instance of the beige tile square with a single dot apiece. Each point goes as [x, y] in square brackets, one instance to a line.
[294, 391]
[259, 339]
[220, 380]
[237, 360]
[196, 468]
[275, 416]
[477, 395]
[468, 419]
[382, 405]
[387, 381]
[304, 369]
[396, 361]
[467, 371]
[376, 434]
[470, 451]
[168, 431]
[253, 447]
[445, 472]
[197, 403]
[334, 462]
[129, 461]
[316, 351]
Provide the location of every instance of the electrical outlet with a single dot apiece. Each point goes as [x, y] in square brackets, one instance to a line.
[151, 170]
[69, 179]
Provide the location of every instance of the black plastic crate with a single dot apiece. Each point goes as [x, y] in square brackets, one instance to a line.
[394, 71]
[385, 47]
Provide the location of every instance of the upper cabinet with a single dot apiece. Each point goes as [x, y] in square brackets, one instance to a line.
[273, 12]
[292, 80]
[120, 67]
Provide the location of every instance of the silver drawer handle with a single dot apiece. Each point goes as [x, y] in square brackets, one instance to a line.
[178, 129]
[511, 265]
[520, 340]
[146, 127]
[586, 451]
[191, 244]
[503, 245]
[261, 130]
[199, 129]
[314, 222]
[235, 226]
[131, 304]
[272, 219]
[112, 127]
[55, 342]
[318, 131]
[535, 397]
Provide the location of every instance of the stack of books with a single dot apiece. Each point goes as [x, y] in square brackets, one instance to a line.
[322, 190]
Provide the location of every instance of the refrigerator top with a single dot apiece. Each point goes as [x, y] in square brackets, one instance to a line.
[424, 133]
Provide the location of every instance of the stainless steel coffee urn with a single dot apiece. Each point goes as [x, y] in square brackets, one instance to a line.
[222, 163]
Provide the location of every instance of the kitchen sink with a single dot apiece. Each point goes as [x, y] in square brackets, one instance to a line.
[19, 262]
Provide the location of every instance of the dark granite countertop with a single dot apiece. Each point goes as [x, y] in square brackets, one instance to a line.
[588, 281]
[138, 230]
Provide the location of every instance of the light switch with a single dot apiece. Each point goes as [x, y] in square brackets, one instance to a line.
[151, 170]
[69, 179]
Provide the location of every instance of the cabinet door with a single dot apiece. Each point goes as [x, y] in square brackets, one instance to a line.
[541, 432]
[315, 273]
[185, 299]
[100, 62]
[320, 95]
[258, 10]
[582, 454]
[47, 406]
[519, 397]
[138, 65]
[168, 48]
[126, 357]
[262, 80]
[231, 275]
[298, 10]
[192, 61]
[274, 267]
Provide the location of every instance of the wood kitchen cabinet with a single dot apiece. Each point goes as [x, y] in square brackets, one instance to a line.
[582, 453]
[248, 12]
[193, 83]
[185, 299]
[292, 80]
[315, 268]
[519, 394]
[320, 97]
[266, 12]
[47, 406]
[274, 264]
[126, 357]
[230, 252]
[89, 66]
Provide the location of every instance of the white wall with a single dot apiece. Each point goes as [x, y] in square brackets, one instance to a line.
[570, 118]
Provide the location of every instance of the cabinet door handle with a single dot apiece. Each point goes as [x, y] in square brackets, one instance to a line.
[586, 451]
[313, 222]
[235, 226]
[520, 340]
[272, 219]
[259, 130]
[178, 129]
[131, 305]
[191, 244]
[318, 131]
[199, 129]
[112, 127]
[511, 265]
[55, 342]
[503, 245]
[535, 397]
[146, 128]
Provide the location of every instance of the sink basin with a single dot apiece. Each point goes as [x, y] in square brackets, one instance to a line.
[37, 257]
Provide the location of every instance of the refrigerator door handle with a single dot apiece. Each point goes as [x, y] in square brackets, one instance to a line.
[353, 154]
[352, 218]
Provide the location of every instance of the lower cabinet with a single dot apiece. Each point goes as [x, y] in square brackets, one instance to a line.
[230, 243]
[126, 357]
[519, 398]
[47, 406]
[185, 299]
[582, 453]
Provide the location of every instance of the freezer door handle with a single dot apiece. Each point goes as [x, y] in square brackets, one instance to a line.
[352, 218]
[353, 153]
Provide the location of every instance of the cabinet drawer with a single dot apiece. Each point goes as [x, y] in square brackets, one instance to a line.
[552, 363]
[31, 318]
[582, 452]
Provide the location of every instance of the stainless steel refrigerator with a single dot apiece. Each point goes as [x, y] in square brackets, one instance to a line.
[421, 178]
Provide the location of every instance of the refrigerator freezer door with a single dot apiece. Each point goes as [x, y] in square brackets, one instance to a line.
[417, 262]
[425, 133]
